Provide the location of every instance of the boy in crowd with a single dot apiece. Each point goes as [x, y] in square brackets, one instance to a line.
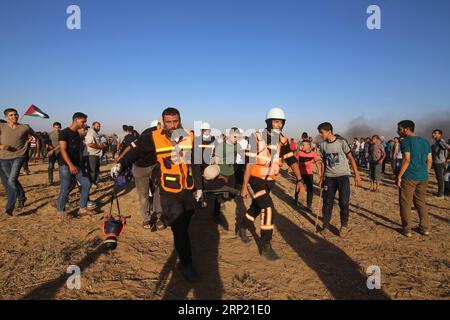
[306, 160]
[377, 157]
[336, 155]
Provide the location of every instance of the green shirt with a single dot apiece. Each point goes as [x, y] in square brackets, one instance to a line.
[227, 154]
[419, 149]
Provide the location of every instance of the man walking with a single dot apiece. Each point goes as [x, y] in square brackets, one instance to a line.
[53, 150]
[13, 146]
[377, 156]
[336, 155]
[172, 148]
[267, 149]
[440, 152]
[94, 149]
[413, 177]
[71, 165]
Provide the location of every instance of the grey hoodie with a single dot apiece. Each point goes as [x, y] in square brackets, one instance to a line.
[440, 151]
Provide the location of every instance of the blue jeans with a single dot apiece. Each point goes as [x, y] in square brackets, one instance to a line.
[66, 177]
[4, 180]
[51, 166]
[331, 185]
[10, 178]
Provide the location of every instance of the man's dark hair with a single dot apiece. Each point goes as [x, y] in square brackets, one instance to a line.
[326, 126]
[130, 128]
[376, 136]
[438, 130]
[8, 110]
[124, 127]
[170, 112]
[57, 124]
[79, 115]
[95, 122]
[304, 135]
[407, 124]
[235, 130]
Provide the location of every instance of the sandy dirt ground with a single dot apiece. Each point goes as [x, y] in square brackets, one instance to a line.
[37, 247]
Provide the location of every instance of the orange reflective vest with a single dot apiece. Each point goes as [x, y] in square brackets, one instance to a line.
[174, 159]
[267, 165]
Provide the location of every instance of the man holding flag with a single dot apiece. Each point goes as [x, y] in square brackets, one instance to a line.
[13, 146]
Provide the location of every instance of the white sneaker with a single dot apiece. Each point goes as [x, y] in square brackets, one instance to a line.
[91, 204]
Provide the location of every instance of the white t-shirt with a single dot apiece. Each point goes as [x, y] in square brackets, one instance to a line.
[242, 146]
[92, 137]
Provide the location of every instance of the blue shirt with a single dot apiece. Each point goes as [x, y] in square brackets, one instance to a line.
[419, 149]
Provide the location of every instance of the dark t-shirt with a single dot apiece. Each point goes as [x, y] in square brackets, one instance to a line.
[74, 146]
[129, 138]
[142, 152]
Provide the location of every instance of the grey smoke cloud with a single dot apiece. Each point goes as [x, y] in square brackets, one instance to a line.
[361, 127]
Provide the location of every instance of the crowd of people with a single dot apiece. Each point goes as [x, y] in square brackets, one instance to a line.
[176, 171]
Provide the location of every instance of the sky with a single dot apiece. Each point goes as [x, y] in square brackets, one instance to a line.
[226, 61]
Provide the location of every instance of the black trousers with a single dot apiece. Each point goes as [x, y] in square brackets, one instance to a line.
[177, 210]
[308, 180]
[239, 174]
[262, 204]
[439, 170]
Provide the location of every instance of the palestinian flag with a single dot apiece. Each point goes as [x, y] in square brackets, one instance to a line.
[34, 111]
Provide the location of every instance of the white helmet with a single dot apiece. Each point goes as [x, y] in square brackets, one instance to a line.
[206, 126]
[154, 123]
[211, 172]
[275, 113]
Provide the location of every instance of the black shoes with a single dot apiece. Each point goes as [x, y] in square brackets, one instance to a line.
[21, 203]
[216, 219]
[189, 273]
[9, 212]
[268, 253]
[242, 233]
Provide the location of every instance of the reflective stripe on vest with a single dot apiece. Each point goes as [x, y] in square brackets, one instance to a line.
[264, 168]
[176, 175]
